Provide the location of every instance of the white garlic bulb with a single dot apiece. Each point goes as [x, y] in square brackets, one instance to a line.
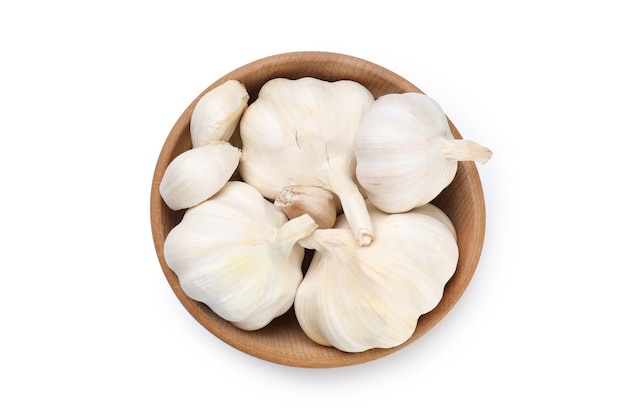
[301, 132]
[405, 152]
[237, 253]
[217, 113]
[197, 174]
[357, 298]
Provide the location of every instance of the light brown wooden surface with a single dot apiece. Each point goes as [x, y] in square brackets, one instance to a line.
[282, 341]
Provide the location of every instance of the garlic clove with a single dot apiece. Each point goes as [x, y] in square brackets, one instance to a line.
[217, 113]
[437, 214]
[296, 200]
[197, 174]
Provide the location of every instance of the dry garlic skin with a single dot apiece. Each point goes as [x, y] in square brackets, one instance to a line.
[357, 298]
[405, 152]
[237, 253]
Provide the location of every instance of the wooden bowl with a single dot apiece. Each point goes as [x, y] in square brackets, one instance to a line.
[283, 341]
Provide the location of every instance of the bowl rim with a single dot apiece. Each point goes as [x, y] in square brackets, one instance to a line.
[299, 63]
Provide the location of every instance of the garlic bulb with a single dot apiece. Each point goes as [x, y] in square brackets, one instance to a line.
[237, 253]
[301, 132]
[197, 174]
[405, 152]
[297, 200]
[357, 298]
[217, 113]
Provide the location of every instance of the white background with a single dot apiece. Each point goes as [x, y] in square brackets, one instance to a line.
[88, 94]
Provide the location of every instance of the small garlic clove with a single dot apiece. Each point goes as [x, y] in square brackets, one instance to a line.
[197, 174]
[217, 113]
[296, 200]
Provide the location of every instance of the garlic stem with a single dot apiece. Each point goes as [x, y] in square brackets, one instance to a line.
[296, 229]
[309, 242]
[465, 150]
[354, 208]
[323, 239]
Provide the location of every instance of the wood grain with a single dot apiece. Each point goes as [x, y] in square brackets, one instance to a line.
[282, 341]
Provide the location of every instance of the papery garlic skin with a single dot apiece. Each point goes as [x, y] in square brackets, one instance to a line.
[237, 253]
[405, 152]
[296, 200]
[301, 132]
[217, 113]
[197, 174]
[358, 298]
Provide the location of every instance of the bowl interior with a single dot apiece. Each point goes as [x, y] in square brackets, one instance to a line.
[282, 341]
